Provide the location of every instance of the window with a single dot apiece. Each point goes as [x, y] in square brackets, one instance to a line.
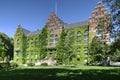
[78, 33]
[85, 51]
[99, 31]
[86, 32]
[71, 38]
[56, 39]
[86, 37]
[78, 52]
[51, 31]
[51, 35]
[78, 37]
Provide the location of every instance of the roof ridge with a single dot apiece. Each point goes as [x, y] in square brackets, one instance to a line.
[76, 24]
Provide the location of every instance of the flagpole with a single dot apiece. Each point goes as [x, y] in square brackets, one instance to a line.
[56, 7]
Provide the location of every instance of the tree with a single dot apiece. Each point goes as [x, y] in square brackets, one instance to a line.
[6, 44]
[43, 43]
[98, 50]
[2, 53]
[115, 12]
[115, 50]
[69, 49]
[61, 48]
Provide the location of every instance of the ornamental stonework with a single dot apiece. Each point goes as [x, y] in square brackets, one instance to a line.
[100, 17]
[55, 24]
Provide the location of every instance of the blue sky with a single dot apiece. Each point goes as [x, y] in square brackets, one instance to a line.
[33, 14]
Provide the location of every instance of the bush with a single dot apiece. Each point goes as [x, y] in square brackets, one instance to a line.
[44, 64]
[4, 65]
[30, 64]
[13, 65]
[0, 67]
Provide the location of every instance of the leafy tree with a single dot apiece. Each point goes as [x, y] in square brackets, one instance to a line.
[6, 44]
[117, 55]
[98, 50]
[115, 50]
[2, 53]
[43, 43]
[115, 12]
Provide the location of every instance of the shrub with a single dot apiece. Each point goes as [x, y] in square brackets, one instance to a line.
[44, 64]
[0, 67]
[13, 65]
[30, 64]
[4, 65]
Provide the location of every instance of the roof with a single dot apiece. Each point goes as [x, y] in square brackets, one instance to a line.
[66, 26]
[25, 31]
[34, 33]
[77, 24]
[30, 33]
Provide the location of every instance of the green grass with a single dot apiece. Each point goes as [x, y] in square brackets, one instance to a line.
[61, 73]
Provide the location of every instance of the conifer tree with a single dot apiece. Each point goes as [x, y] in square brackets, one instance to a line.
[61, 49]
[43, 43]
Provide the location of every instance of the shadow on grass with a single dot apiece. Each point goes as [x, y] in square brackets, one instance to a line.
[60, 74]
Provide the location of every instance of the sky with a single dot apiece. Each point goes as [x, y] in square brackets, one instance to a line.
[33, 14]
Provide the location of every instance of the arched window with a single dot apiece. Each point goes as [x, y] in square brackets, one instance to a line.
[56, 39]
[78, 37]
[86, 33]
[78, 33]
[71, 38]
[51, 37]
[51, 31]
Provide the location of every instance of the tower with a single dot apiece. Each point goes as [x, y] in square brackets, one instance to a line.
[99, 23]
[55, 26]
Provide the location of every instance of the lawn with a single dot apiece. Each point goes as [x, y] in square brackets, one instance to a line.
[61, 73]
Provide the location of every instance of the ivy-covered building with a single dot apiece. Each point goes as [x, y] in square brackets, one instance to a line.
[27, 43]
